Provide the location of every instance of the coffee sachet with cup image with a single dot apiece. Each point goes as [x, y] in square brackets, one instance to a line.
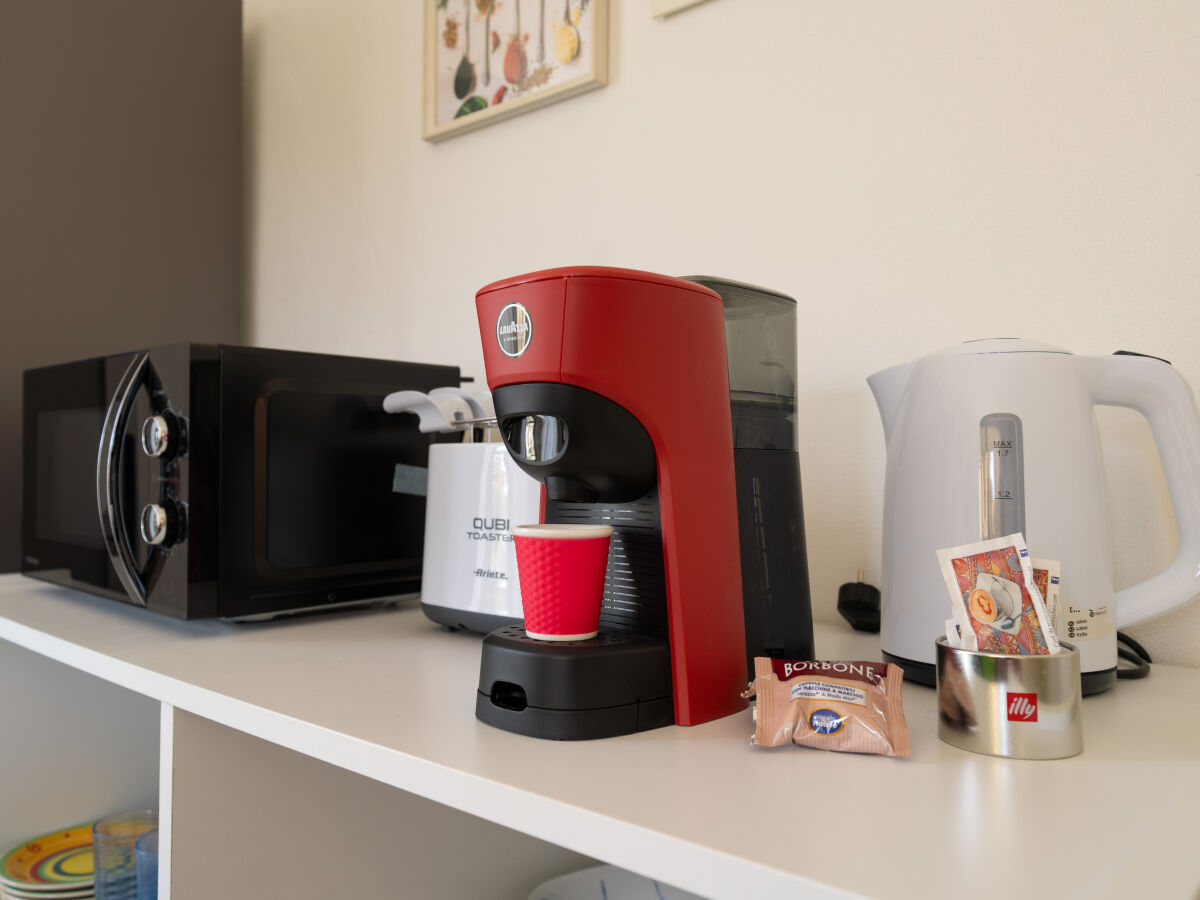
[850, 706]
[995, 599]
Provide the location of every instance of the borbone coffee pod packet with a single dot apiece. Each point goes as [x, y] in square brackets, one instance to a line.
[997, 606]
[850, 706]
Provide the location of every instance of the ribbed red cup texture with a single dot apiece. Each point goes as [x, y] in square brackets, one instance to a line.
[562, 585]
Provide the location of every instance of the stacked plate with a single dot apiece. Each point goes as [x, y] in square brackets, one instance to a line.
[55, 866]
[607, 883]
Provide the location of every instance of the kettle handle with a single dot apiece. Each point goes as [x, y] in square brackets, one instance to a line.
[1156, 390]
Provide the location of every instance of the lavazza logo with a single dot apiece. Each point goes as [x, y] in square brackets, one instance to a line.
[1022, 707]
[514, 330]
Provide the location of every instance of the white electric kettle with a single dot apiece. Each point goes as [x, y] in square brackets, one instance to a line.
[998, 436]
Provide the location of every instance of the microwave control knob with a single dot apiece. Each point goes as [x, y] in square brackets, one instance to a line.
[160, 436]
[159, 523]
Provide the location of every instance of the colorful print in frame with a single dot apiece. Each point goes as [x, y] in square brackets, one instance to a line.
[490, 59]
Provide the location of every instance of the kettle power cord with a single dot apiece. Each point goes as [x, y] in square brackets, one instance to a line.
[1134, 653]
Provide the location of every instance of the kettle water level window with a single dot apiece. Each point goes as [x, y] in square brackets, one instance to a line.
[1002, 476]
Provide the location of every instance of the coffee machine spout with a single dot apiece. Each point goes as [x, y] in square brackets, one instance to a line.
[888, 386]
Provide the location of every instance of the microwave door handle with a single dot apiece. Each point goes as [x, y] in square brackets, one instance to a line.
[108, 495]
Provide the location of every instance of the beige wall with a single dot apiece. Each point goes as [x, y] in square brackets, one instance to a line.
[915, 174]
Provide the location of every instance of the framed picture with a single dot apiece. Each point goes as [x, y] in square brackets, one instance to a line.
[490, 59]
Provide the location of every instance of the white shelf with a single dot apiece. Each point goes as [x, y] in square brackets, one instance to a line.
[386, 694]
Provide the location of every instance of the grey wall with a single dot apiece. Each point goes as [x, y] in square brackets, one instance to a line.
[120, 194]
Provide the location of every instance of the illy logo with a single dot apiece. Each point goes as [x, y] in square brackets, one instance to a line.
[1022, 707]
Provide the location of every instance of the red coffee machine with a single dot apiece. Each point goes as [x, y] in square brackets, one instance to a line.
[612, 388]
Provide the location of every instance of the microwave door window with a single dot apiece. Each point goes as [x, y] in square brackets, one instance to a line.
[67, 442]
[63, 414]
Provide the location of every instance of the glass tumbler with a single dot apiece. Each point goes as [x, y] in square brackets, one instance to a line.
[113, 840]
[145, 852]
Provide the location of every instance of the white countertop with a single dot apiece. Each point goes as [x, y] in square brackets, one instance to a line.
[387, 694]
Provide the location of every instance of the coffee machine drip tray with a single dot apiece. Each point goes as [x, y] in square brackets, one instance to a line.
[616, 683]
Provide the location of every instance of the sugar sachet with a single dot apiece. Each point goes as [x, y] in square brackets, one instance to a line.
[1047, 573]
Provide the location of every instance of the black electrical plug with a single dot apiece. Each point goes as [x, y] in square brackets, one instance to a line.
[858, 602]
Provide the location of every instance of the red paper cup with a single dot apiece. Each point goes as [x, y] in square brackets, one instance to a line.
[561, 570]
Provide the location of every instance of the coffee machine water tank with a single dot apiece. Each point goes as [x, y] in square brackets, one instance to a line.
[760, 343]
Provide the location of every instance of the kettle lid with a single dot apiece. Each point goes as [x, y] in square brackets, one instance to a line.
[1000, 345]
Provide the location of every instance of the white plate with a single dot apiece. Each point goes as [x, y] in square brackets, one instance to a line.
[607, 883]
[8, 893]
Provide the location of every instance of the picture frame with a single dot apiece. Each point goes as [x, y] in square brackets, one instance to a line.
[486, 60]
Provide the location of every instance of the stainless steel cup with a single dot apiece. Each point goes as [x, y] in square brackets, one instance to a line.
[1029, 707]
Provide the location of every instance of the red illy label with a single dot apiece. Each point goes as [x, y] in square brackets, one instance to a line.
[1022, 707]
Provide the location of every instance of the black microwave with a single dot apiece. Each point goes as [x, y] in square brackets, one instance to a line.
[201, 480]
